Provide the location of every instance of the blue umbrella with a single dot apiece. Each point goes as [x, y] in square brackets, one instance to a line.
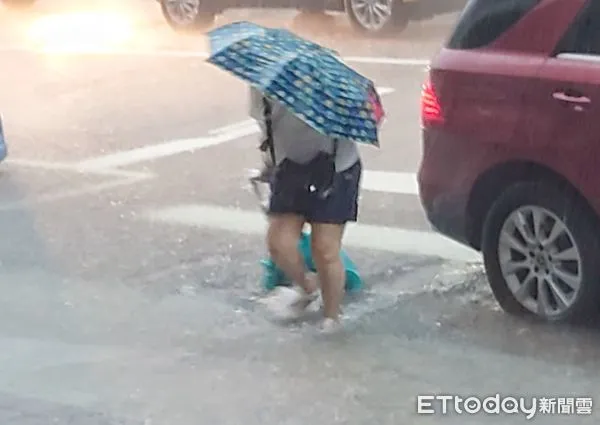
[224, 37]
[307, 78]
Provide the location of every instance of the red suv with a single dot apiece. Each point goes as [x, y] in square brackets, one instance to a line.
[511, 150]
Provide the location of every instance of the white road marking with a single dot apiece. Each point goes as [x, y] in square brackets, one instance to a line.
[65, 166]
[73, 51]
[375, 60]
[82, 191]
[364, 236]
[403, 183]
[233, 127]
[152, 152]
[218, 135]
[140, 175]
[43, 165]
[390, 182]
[382, 60]
[385, 90]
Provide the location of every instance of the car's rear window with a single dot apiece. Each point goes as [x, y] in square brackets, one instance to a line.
[483, 21]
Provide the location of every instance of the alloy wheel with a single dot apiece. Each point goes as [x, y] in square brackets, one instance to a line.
[540, 261]
[372, 14]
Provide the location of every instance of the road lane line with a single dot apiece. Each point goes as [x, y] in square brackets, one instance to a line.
[142, 175]
[219, 135]
[398, 182]
[62, 195]
[152, 152]
[43, 165]
[105, 52]
[375, 60]
[234, 126]
[65, 166]
[385, 90]
[390, 182]
[366, 236]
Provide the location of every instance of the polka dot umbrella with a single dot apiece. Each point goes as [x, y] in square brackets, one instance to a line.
[310, 80]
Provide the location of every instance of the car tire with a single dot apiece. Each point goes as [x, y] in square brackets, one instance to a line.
[503, 248]
[17, 4]
[198, 20]
[395, 21]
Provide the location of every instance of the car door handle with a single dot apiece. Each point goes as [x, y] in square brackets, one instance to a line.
[564, 97]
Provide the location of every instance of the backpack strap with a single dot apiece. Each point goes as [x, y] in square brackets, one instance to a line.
[268, 142]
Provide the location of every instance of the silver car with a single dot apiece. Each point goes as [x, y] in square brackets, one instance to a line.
[370, 17]
[367, 16]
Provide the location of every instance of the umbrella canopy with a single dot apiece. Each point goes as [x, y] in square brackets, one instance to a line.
[307, 78]
[253, 35]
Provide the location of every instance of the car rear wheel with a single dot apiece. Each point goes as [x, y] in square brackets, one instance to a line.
[377, 17]
[17, 4]
[187, 15]
[540, 248]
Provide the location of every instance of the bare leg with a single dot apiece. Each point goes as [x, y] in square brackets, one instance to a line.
[326, 246]
[282, 239]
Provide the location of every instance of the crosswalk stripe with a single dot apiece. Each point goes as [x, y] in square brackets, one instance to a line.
[380, 238]
[390, 182]
[216, 136]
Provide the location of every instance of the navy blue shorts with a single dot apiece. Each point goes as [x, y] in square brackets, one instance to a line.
[339, 207]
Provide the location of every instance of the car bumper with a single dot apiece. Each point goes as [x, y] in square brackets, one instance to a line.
[447, 217]
[444, 188]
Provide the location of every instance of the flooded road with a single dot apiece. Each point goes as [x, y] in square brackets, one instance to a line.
[131, 244]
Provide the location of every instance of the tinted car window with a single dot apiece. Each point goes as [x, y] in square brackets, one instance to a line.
[483, 21]
[584, 35]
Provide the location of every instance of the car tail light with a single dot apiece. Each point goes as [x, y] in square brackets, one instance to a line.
[431, 111]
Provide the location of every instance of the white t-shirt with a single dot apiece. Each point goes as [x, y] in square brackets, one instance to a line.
[296, 140]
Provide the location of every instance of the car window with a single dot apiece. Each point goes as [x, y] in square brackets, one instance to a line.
[583, 37]
[483, 21]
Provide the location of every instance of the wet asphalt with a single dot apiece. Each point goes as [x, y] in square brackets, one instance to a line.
[109, 317]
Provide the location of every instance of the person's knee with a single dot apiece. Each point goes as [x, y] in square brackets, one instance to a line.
[280, 243]
[281, 240]
[325, 251]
